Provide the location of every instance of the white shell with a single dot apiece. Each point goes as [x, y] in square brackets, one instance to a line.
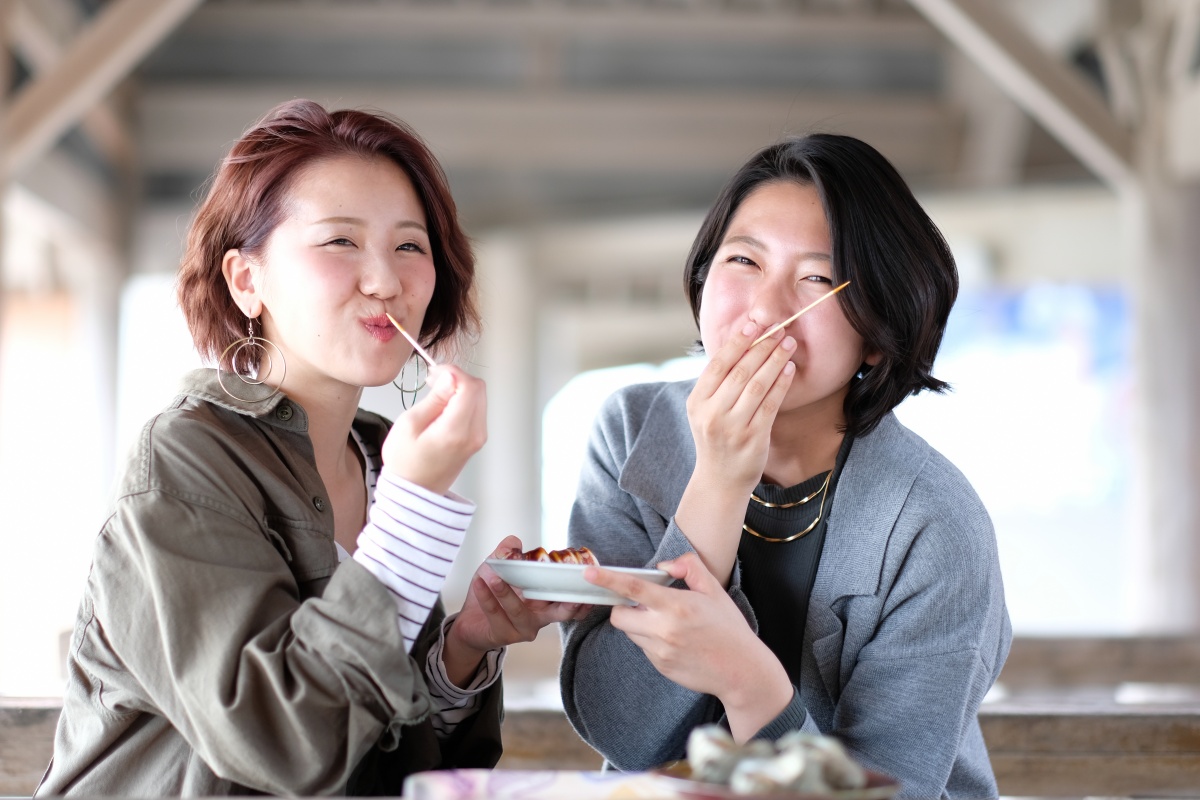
[797, 762]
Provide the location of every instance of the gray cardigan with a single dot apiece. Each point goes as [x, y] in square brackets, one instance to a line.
[906, 630]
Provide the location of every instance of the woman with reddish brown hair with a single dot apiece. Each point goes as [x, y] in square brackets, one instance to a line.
[263, 613]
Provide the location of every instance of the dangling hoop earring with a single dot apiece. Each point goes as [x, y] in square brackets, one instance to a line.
[254, 345]
[408, 396]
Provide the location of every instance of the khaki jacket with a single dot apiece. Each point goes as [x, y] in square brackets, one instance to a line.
[220, 648]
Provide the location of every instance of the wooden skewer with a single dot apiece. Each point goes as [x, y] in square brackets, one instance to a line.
[796, 316]
[416, 345]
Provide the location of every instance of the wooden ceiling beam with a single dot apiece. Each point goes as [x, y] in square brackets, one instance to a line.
[189, 128]
[657, 22]
[1049, 90]
[106, 50]
[41, 48]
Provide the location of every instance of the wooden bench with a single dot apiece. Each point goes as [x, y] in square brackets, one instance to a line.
[1048, 738]
[26, 741]
[1060, 731]
[1065, 662]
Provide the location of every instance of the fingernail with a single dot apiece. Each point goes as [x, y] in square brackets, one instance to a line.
[749, 328]
[789, 343]
[789, 368]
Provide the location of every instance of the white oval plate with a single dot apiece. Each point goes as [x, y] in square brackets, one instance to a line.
[564, 583]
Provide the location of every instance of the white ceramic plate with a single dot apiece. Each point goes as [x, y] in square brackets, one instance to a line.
[564, 583]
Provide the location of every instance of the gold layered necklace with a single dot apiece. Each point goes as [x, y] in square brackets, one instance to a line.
[823, 491]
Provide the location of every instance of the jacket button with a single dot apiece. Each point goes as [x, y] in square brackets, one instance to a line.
[319, 503]
[284, 412]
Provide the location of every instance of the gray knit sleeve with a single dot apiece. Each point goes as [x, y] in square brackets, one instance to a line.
[614, 697]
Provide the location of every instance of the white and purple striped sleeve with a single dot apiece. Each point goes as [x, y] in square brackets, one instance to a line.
[452, 705]
[409, 543]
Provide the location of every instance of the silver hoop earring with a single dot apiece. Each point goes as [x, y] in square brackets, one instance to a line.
[408, 395]
[243, 354]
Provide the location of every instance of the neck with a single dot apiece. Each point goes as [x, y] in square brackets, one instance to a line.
[804, 443]
[330, 414]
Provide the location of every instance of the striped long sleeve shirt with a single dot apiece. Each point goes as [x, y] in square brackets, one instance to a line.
[409, 543]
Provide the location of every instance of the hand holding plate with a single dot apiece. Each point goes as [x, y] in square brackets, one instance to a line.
[699, 639]
[496, 615]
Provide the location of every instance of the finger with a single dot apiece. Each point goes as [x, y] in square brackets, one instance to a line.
[724, 360]
[487, 601]
[627, 586]
[761, 368]
[463, 396]
[441, 383]
[690, 569]
[636, 622]
[512, 604]
[767, 410]
[556, 612]
[508, 544]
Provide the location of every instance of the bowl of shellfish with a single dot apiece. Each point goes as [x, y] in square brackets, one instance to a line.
[798, 766]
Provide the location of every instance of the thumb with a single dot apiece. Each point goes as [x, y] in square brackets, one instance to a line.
[690, 569]
[507, 544]
[441, 389]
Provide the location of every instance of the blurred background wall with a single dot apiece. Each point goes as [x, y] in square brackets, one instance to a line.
[1054, 143]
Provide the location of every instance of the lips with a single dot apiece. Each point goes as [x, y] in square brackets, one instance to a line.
[380, 328]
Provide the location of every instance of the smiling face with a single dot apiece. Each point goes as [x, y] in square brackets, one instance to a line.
[353, 245]
[774, 259]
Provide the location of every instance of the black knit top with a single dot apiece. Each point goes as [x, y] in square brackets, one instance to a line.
[777, 577]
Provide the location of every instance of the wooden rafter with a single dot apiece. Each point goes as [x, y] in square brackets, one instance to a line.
[41, 48]
[1045, 87]
[104, 53]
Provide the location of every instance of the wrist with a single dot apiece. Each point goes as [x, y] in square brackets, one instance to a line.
[428, 482]
[424, 480]
[717, 484]
[461, 659]
[761, 696]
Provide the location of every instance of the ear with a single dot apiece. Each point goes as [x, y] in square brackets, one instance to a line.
[872, 358]
[239, 277]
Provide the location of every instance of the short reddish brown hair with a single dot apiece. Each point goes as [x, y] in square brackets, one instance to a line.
[247, 199]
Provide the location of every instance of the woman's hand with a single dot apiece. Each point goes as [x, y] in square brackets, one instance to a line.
[700, 640]
[731, 411]
[495, 615]
[431, 442]
[733, 405]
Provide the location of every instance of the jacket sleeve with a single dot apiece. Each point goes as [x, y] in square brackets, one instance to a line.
[274, 693]
[614, 697]
[909, 698]
[474, 744]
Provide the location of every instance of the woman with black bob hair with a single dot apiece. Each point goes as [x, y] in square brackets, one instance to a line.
[833, 572]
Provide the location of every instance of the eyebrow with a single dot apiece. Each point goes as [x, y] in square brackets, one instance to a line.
[408, 223]
[750, 240]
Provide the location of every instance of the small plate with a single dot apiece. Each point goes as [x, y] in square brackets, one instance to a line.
[564, 583]
[677, 775]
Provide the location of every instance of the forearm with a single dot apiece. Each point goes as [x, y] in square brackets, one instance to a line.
[711, 514]
[456, 692]
[759, 694]
[409, 544]
[620, 704]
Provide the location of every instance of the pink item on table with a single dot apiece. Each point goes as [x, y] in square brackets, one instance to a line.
[500, 784]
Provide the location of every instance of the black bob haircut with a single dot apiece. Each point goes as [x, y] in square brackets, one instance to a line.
[903, 281]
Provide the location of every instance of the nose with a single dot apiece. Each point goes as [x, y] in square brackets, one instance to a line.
[769, 304]
[379, 276]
